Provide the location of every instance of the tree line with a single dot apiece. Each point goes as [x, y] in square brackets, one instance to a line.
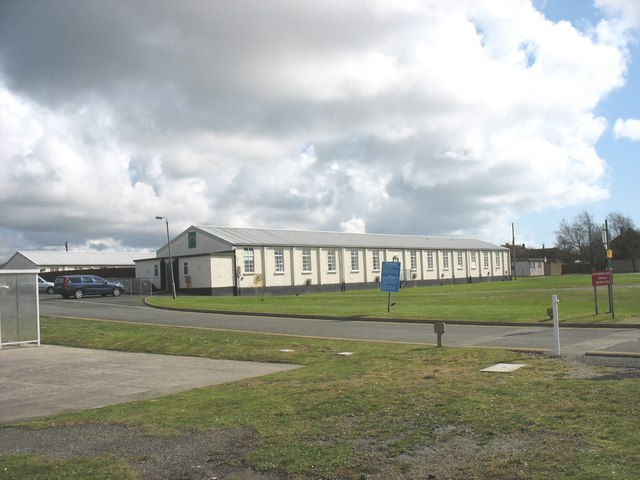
[582, 238]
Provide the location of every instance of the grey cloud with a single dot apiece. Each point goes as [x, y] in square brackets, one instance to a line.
[200, 111]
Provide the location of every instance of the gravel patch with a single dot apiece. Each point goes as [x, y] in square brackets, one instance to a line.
[190, 455]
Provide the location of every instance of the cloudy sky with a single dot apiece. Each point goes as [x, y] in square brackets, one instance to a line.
[424, 117]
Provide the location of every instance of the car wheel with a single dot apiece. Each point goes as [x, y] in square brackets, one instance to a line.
[78, 293]
[50, 290]
[117, 292]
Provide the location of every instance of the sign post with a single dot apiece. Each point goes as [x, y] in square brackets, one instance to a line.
[599, 278]
[390, 280]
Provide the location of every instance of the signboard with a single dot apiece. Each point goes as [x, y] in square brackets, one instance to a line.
[600, 278]
[390, 278]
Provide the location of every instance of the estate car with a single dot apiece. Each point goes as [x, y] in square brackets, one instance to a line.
[80, 285]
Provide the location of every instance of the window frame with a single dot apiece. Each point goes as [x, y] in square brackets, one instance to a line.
[375, 260]
[332, 264]
[413, 260]
[249, 261]
[306, 260]
[445, 260]
[278, 261]
[355, 261]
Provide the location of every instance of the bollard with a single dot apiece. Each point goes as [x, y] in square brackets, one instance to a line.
[438, 328]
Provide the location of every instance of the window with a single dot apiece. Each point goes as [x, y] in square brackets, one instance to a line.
[355, 261]
[429, 260]
[278, 258]
[191, 239]
[497, 260]
[185, 268]
[376, 260]
[474, 262]
[460, 261]
[414, 260]
[445, 260]
[486, 259]
[156, 270]
[249, 264]
[306, 260]
[331, 260]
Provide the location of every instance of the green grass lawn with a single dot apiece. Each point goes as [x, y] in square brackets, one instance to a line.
[373, 414]
[521, 301]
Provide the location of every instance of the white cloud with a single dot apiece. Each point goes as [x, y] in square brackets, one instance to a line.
[430, 117]
[629, 129]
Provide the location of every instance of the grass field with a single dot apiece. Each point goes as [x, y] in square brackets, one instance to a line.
[387, 411]
[521, 301]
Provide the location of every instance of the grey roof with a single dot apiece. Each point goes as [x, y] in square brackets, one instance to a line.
[64, 258]
[302, 238]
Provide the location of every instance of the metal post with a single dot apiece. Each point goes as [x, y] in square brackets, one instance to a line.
[514, 268]
[610, 269]
[173, 283]
[556, 324]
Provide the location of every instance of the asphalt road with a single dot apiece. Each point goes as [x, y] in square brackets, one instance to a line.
[574, 341]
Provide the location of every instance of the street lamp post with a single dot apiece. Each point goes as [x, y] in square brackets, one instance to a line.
[173, 283]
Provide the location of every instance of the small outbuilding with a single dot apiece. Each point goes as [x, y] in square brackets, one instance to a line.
[213, 260]
[530, 267]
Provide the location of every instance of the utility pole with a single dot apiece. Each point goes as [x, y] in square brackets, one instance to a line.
[513, 260]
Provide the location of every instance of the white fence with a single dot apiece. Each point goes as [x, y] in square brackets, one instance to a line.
[19, 307]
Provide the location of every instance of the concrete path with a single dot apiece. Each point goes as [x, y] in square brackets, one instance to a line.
[47, 380]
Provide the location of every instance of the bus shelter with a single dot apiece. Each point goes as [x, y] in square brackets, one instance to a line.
[19, 307]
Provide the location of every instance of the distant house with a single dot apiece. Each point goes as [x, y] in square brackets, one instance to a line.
[626, 252]
[530, 267]
[61, 261]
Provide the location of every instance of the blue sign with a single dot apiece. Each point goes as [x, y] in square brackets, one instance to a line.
[390, 279]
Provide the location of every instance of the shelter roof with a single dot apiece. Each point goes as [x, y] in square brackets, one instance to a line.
[63, 258]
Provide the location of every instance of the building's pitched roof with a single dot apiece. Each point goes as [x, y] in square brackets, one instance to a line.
[63, 258]
[302, 238]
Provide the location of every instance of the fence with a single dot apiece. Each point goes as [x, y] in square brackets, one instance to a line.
[135, 286]
[19, 307]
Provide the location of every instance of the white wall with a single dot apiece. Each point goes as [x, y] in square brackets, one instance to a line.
[147, 269]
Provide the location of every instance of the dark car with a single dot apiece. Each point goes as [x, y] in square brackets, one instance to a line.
[80, 285]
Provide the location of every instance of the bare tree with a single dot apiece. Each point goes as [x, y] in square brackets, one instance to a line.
[582, 238]
[618, 223]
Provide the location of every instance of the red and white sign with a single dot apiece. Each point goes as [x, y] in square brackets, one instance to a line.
[600, 278]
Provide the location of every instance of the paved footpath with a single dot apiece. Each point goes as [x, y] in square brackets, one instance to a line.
[48, 380]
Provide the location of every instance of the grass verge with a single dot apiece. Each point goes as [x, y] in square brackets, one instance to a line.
[386, 411]
[522, 301]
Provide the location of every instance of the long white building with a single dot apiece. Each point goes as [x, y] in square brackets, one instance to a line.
[247, 261]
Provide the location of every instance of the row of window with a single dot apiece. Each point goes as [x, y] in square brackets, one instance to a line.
[278, 257]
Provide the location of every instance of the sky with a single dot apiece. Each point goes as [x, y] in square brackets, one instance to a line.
[419, 117]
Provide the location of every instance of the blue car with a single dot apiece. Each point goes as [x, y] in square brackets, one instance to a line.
[79, 286]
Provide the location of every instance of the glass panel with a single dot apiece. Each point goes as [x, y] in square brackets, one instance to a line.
[19, 308]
